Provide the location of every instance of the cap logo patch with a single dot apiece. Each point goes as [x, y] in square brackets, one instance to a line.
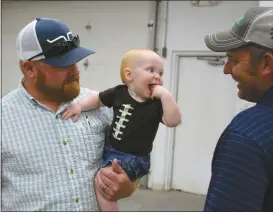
[239, 20]
[61, 37]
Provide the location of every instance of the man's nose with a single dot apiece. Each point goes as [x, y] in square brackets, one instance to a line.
[73, 69]
[227, 68]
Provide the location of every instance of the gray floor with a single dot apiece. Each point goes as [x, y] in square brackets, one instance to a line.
[148, 200]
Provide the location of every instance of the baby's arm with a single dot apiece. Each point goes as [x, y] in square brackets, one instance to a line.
[171, 110]
[89, 102]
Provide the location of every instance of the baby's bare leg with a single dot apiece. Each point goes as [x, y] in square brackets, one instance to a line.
[104, 204]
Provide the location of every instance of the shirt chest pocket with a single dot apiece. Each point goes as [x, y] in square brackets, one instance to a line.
[86, 139]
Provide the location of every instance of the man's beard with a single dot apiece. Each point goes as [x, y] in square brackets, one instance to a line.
[68, 90]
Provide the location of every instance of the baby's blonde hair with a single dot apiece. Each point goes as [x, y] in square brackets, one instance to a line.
[127, 60]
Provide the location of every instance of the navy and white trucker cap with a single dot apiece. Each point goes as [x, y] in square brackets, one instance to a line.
[51, 41]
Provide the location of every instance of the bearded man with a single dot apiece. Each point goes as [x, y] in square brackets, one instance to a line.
[49, 164]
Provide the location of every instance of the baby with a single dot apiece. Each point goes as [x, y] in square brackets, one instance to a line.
[139, 105]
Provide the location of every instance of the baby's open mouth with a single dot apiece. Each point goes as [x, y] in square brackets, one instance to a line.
[151, 86]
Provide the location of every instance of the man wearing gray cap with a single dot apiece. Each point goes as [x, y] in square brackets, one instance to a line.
[242, 165]
[49, 164]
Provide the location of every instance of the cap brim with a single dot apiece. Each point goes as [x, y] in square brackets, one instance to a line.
[70, 58]
[223, 41]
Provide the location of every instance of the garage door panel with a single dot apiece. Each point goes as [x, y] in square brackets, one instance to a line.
[207, 100]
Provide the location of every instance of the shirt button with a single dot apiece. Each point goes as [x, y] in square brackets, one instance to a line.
[77, 200]
[64, 142]
[57, 117]
[71, 171]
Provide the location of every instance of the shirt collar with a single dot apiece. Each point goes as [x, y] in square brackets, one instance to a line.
[24, 91]
[267, 97]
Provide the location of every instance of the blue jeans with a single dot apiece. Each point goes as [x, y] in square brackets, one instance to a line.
[135, 166]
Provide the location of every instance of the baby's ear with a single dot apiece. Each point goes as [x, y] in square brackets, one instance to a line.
[128, 75]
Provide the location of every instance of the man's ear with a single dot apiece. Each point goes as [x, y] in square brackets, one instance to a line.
[28, 69]
[128, 74]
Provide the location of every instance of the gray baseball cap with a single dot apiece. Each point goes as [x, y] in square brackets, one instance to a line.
[254, 27]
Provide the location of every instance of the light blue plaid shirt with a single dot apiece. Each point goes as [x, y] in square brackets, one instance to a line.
[48, 164]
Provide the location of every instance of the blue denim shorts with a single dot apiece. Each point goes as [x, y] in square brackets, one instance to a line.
[135, 166]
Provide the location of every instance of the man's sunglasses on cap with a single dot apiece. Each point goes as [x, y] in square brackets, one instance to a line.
[60, 48]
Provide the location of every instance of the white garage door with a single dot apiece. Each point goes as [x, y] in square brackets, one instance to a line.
[207, 98]
[115, 27]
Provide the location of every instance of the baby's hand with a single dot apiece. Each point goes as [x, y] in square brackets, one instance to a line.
[73, 110]
[158, 91]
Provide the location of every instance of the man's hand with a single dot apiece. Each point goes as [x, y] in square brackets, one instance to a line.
[113, 183]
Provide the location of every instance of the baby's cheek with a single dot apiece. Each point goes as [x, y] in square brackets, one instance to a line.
[161, 83]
